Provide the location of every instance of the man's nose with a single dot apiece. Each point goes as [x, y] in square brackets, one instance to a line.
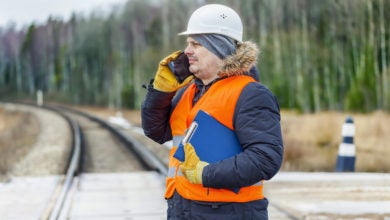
[188, 50]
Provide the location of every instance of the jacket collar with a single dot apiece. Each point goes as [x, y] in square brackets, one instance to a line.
[241, 61]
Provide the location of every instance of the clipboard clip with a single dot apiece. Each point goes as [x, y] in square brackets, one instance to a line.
[190, 132]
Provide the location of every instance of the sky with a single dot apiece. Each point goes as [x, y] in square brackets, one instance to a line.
[24, 12]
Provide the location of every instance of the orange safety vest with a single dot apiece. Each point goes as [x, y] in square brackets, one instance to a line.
[219, 102]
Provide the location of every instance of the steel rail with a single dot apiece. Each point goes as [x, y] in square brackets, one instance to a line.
[73, 167]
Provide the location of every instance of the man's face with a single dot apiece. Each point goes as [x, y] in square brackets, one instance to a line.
[203, 64]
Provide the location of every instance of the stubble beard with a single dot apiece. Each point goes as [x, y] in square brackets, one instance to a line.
[194, 69]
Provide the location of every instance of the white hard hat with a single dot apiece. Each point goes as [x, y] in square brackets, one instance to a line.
[215, 19]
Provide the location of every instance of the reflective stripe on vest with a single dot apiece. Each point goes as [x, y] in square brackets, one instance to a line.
[176, 141]
[225, 92]
[172, 167]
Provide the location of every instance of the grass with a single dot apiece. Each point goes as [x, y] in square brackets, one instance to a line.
[312, 141]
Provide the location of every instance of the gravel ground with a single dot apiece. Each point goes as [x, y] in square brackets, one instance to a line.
[47, 156]
[105, 154]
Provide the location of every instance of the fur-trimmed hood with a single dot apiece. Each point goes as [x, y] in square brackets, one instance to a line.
[241, 61]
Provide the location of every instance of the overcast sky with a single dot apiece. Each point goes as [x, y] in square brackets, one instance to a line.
[24, 12]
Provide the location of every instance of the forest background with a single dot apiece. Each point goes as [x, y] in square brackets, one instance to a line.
[315, 55]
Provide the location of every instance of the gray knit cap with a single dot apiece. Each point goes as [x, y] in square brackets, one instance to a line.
[220, 45]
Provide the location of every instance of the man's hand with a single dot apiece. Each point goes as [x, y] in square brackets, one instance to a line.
[192, 167]
[165, 80]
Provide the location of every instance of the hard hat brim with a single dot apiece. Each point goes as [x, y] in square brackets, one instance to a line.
[207, 32]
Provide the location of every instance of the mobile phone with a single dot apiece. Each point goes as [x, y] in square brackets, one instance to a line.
[171, 66]
[179, 67]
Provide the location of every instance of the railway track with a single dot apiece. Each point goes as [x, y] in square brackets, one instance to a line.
[98, 147]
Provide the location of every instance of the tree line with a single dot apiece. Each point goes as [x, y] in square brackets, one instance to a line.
[315, 55]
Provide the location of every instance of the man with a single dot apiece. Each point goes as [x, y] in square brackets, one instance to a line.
[216, 74]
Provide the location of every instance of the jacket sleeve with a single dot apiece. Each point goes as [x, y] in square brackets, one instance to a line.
[155, 114]
[257, 125]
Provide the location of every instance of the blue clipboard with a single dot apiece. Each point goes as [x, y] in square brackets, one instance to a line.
[212, 140]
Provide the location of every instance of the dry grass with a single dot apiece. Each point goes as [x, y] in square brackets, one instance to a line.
[18, 131]
[312, 141]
